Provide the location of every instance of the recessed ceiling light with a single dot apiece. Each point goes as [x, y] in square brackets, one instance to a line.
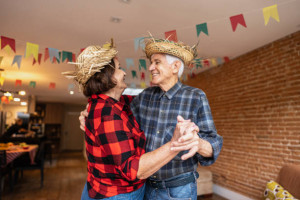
[23, 103]
[17, 99]
[115, 19]
[125, 1]
[7, 94]
[71, 92]
[22, 92]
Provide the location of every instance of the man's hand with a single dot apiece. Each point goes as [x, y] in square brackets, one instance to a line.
[83, 115]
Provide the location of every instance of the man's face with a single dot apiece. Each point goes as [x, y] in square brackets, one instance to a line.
[161, 70]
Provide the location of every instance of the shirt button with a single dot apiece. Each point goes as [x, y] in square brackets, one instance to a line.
[157, 131]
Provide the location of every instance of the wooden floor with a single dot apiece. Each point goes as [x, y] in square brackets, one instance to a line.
[64, 179]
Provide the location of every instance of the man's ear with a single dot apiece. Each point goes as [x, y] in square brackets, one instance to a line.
[176, 66]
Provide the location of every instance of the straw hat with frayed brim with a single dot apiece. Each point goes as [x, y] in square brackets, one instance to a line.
[91, 60]
[178, 49]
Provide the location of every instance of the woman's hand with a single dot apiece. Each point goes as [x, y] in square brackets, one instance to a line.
[83, 115]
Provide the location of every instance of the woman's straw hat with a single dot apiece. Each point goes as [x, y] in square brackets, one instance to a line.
[186, 53]
[91, 60]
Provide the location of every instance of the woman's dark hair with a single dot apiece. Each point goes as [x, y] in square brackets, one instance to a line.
[101, 82]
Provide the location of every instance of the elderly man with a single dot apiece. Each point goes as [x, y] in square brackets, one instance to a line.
[156, 110]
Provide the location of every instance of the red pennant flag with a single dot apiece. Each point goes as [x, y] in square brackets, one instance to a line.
[8, 41]
[206, 63]
[237, 19]
[54, 60]
[142, 76]
[81, 50]
[171, 35]
[73, 57]
[4, 99]
[226, 59]
[46, 54]
[52, 85]
[39, 59]
[18, 82]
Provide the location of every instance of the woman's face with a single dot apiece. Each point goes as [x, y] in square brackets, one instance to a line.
[119, 76]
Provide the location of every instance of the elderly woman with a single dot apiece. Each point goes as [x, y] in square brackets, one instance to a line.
[115, 145]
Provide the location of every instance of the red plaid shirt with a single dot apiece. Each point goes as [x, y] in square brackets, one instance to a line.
[114, 145]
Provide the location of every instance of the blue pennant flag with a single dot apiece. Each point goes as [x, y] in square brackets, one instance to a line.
[129, 62]
[17, 59]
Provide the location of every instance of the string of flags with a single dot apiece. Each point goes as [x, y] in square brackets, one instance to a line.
[57, 56]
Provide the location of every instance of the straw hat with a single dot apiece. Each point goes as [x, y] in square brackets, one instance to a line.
[91, 60]
[178, 49]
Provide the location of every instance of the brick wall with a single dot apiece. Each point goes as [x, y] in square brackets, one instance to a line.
[255, 102]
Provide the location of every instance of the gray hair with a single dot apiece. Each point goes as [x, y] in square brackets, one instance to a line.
[172, 59]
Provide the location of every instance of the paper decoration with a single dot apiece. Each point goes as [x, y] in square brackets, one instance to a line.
[133, 73]
[8, 41]
[237, 19]
[73, 57]
[226, 59]
[220, 61]
[32, 49]
[10, 98]
[1, 80]
[142, 63]
[32, 84]
[18, 82]
[53, 53]
[171, 35]
[129, 63]
[270, 11]
[54, 60]
[81, 50]
[59, 57]
[201, 28]
[206, 63]
[198, 63]
[39, 60]
[132, 85]
[143, 85]
[4, 99]
[139, 43]
[17, 59]
[46, 56]
[71, 87]
[142, 76]
[67, 55]
[1, 58]
[213, 62]
[52, 85]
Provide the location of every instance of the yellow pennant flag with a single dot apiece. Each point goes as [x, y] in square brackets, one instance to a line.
[213, 61]
[143, 85]
[270, 11]
[10, 98]
[32, 49]
[1, 80]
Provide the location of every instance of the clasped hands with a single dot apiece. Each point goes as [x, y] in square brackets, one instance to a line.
[185, 137]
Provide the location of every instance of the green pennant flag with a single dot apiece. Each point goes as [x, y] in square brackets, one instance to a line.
[198, 63]
[133, 72]
[67, 55]
[59, 57]
[142, 63]
[32, 84]
[202, 28]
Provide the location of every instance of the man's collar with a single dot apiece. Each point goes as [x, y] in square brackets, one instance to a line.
[171, 92]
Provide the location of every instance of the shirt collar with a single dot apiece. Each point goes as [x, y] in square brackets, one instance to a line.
[120, 105]
[171, 92]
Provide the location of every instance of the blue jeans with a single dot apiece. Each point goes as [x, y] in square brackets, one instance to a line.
[135, 195]
[185, 192]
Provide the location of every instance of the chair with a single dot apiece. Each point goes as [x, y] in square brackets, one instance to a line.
[4, 169]
[23, 163]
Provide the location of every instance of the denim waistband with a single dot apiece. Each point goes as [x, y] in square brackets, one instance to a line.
[174, 182]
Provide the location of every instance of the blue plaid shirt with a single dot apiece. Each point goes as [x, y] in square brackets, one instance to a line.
[156, 112]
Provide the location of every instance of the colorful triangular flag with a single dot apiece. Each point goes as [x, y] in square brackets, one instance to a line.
[1, 80]
[142, 76]
[142, 63]
[171, 35]
[133, 73]
[237, 19]
[32, 49]
[139, 43]
[32, 84]
[18, 82]
[39, 60]
[129, 63]
[270, 11]
[46, 56]
[52, 85]
[213, 62]
[53, 53]
[73, 57]
[143, 85]
[67, 55]
[17, 59]
[201, 28]
[8, 41]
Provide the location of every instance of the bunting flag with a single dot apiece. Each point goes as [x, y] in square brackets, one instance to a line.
[73, 57]
[46, 56]
[17, 59]
[142, 76]
[32, 49]
[213, 62]
[67, 55]
[129, 63]
[10, 98]
[4, 99]
[133, 73]
[142, 63]
[1, 58]
[32, 84]
[171, 35]
[226, 59]
[1, 80]
[143, 85]
[39, 60]
[81, 50]
[270, 11]
[139, 43]
[185, 77]
[201, 28]
[220, 61]
[71, 87]
[8, 41]
[52, 85]
[198, 63]
[237, 19]
[54, 60]
[59, 57]
[18, 82]
[53, 53]
[206, 63]
[132, 85]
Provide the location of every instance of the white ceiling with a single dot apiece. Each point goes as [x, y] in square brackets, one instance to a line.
[70, 25]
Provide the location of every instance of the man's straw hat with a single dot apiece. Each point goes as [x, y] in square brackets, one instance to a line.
[186, 53]
[91, 60]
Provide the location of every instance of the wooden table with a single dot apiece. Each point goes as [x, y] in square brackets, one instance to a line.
[15, 151]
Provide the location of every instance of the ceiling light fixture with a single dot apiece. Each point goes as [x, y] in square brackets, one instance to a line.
[115, 19]
[71, 92]
[17, 99]
[23, 103]
[22, 93]
[7, 94]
